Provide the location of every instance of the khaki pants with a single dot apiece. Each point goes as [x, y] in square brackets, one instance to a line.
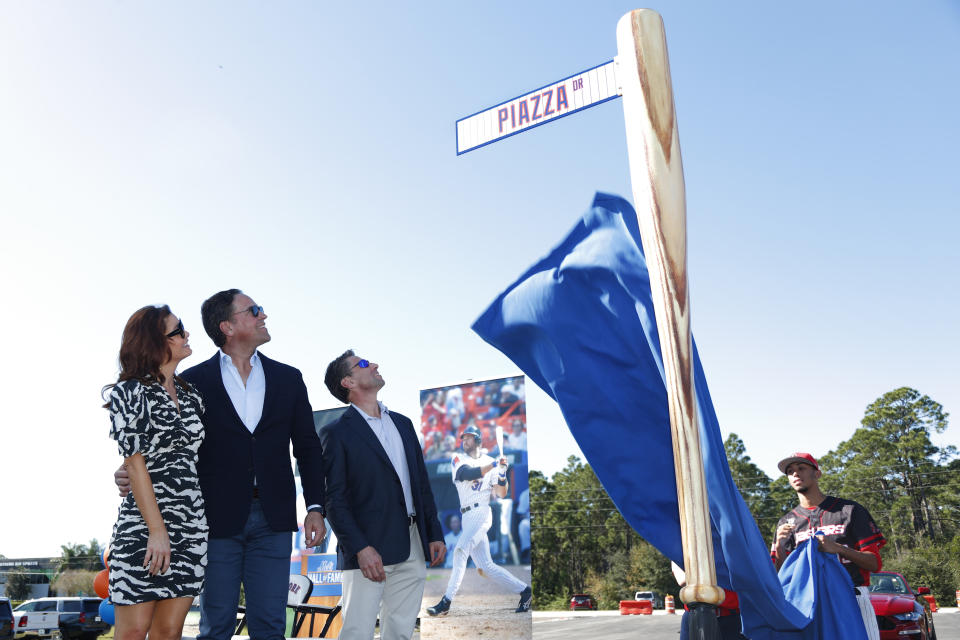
[397, 599]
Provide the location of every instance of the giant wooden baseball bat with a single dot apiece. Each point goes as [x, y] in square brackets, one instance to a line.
[656, 173]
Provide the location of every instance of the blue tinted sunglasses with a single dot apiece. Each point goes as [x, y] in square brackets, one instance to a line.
[256, 310]
[363, 364]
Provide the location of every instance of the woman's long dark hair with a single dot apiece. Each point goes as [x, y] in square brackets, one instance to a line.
[144, 347]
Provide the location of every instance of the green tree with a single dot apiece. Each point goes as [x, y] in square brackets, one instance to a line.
[569, 512]
[642, 568]
[81, 557]
[610, 587]
[933, 567]
[891, 467]
[650, 571]
[753, 483]
[18, 584]
[576, 534]
[782, 498]
[581, 543]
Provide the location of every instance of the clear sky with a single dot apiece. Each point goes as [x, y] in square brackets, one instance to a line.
[304, 152]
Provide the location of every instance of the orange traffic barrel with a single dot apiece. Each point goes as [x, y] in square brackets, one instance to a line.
[668, 604]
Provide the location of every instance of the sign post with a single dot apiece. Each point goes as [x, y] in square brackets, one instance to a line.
[656, 175]
[641, 74]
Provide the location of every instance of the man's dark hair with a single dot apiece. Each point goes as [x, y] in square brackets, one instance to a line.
[216, 309]
[337, 371]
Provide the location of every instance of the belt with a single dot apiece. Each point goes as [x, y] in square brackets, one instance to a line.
[476, 505]
[411, 519]
[256, 493]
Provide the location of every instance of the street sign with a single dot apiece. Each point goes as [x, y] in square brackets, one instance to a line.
[540, 106]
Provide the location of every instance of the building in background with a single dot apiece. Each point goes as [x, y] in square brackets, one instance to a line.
[40, 573]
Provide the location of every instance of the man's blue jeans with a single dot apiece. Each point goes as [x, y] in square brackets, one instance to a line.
[260, 558]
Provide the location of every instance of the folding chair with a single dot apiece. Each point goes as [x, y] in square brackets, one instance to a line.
[300, 589]
[298, 593]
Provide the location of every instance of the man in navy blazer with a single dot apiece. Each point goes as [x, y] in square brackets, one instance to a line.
[255, 408]
[379, 504]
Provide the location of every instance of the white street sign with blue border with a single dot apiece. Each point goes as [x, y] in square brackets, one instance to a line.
[575, 93]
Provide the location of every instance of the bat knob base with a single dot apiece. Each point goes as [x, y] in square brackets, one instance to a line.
[702, 594]
[702, 623]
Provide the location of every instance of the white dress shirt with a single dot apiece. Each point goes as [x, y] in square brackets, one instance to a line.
[386, 432]
[247, 398]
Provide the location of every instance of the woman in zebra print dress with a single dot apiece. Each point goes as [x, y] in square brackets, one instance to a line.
[159, 547]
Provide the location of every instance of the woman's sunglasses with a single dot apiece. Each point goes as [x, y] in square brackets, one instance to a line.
[179, 331]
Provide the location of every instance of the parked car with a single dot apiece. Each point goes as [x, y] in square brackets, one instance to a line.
[652, 596]
[80, 618]
[36, 619]
[901, 611]
[582, 601]
[67, 618]
[6, 619]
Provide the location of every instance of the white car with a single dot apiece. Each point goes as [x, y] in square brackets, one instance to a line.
[76, 618]
[37, 619]
[655, 600]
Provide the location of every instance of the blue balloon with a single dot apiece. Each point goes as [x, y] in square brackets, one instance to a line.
[107, 613]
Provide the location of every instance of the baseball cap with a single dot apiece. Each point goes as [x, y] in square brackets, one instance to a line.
[799, 456]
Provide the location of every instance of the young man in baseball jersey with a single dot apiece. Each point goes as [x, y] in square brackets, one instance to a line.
[475, 476]
[842, 527]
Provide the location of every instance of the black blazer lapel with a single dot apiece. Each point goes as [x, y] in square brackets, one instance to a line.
[411, 446]
[215, 383]
[362, 429]
[271, 388]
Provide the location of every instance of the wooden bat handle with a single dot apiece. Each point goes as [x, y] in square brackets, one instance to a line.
[656, 173]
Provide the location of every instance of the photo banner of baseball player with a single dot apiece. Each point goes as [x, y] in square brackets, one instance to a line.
[580, 323]
[445, 413]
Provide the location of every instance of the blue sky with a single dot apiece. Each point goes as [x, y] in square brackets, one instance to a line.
[305, 153]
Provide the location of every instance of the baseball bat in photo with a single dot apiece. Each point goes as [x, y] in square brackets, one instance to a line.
[656, 174]
[499, 432]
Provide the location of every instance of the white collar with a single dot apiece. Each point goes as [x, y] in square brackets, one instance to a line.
[254, 359]
[383, 410]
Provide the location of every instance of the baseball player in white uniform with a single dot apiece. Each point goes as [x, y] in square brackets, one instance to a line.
[475, 476]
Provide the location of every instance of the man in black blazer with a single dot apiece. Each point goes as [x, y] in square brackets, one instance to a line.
[379, 504]
[255, 408]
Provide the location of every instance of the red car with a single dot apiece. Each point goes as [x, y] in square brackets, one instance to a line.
[901, 611]
[582, 601]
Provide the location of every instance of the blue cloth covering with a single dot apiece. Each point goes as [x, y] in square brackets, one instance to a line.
[821, 589]
[580, 323]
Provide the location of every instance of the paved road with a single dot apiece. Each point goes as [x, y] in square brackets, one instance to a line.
[610, 626]
[605, 624]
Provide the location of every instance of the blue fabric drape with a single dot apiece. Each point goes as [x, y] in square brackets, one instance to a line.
[580, 323]
[821, 589]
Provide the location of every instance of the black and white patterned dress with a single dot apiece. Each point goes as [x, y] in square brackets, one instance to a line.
[145, 420]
